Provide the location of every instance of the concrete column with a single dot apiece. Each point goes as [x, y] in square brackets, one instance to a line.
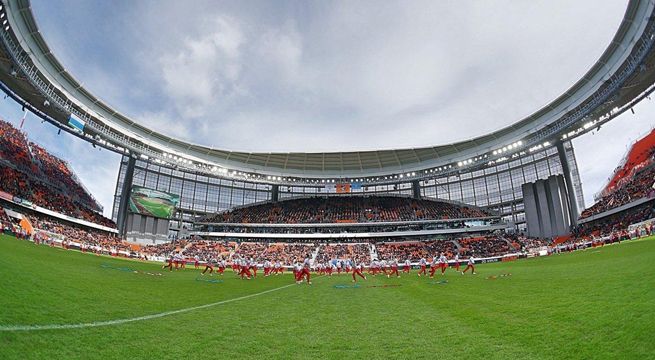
[568, 178]
[545, 215]
[531, 210]
[125, 196]
[416, 189]
[275, 193]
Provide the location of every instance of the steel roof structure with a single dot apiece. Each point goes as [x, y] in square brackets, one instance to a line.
[622, 76]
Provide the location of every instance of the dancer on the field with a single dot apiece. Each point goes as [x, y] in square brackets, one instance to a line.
[278, 268]
[443, 262]
[267, 268]
[349, 265]
[182, 261]
[196, 261]
[357, 271]
[245, 269]
[394, 268]
[457, 262]
[305, 271]
[302, 271]
[209, 265]
[373, 267]
[408, 266]
[221, 266]
[470, 264]
[434, 265]
[423, 264]
[169, 263]
[253, 267]
[235, 266]
[176, 260]
[296, 270]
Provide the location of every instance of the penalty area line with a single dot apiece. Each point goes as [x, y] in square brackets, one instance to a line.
[5, 328]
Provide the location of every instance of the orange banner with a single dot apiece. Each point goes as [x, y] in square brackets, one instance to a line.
[343, 188]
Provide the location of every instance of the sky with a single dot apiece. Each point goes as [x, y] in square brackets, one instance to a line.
[328, 75]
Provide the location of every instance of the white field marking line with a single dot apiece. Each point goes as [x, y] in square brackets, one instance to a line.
[128, 320]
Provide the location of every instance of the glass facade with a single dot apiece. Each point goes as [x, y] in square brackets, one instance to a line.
[199, 194]
[497, 188]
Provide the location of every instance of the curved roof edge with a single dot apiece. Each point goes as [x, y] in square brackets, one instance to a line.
[595, 98]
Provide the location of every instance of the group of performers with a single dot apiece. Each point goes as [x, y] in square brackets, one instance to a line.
[247, 268]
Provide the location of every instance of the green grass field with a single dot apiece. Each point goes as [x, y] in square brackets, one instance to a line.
[598, 303]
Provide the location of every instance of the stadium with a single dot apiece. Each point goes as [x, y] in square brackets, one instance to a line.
[485, 247]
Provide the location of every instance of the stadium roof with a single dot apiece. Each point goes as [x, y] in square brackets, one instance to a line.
[622, 76]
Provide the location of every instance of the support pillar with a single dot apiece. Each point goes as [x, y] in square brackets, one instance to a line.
[275, 193]
[568, 178]
[416, 189]
[125, 196]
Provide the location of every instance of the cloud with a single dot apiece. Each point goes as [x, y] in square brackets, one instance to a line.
[165, 123]
[337, 76]
[359, 72]
[204, 70]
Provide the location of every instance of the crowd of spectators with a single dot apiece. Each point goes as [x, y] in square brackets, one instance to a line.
[207, 250]
[30, 172]
[347, 209]
[525, 243]
[5, 222]
[415, 250]
[249, 250]
[638, 187]
[360, 253]
[163, 250]
[485, 246]
[615, 222]
[76, 233]
[288, 253]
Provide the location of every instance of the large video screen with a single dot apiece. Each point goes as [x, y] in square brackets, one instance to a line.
[152, 202]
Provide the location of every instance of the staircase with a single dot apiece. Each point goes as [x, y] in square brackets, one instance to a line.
[561, 239]
[457, 245]
[315, 253]
[373, 252]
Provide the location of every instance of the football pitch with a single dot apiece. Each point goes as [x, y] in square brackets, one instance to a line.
[57, 304]
[151, 206]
